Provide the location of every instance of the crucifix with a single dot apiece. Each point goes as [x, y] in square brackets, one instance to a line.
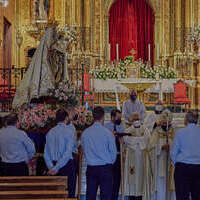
[133, 52]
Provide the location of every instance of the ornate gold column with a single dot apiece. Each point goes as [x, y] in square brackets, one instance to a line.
[72, 13]
[178, 25]
[92, 25]
[106, 36]
[157, 39]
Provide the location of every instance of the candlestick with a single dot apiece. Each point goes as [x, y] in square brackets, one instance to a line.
[109, 47]
[117, 51]
[158, 52]
[149, 48]
[157, 76]
[165, 50]
[191, 46]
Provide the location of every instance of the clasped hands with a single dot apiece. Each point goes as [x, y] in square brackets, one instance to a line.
[52, 172]
[121, 140]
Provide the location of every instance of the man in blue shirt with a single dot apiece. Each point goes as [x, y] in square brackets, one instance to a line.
[185, 154]
[16, 149]
[100, 151]
[116, 127]
[73, 117]
[133, 105]
[58, 150]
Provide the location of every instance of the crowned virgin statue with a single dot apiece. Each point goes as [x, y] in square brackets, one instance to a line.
[47, 67]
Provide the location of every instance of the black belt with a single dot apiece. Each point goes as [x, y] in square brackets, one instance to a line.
[18, 163]
[186, 164]
[107, 165]
[55, 162]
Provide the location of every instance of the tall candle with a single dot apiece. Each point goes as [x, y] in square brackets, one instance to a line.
[158, 52]
[117, 51]
[109, 48]
[191, 46]
[149, 48]
[165, 50]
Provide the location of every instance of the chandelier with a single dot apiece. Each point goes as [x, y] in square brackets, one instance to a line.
[3, 3]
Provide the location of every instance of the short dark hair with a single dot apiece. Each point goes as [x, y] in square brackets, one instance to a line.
[114, 112]
[61, 114]
[12, 119]
[191, 117]
[98, 113]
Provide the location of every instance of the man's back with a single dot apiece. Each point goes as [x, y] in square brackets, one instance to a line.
[186, 145]
[15, 146]
[98, 145]
[59, 141]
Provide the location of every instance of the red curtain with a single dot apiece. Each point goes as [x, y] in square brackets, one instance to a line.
[131, 25]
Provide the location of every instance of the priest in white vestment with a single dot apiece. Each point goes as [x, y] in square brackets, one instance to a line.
[152, 119]
[134, 161]
[159, 170]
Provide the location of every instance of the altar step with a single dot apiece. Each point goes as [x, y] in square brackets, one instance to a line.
[34, 187]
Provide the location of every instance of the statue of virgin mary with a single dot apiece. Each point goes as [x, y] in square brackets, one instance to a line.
[39, 76]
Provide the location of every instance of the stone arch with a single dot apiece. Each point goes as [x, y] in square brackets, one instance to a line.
[109, 3]
[155, 5]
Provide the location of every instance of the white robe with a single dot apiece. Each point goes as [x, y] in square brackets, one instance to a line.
[150, 120]
[134, 165]
[158, 161]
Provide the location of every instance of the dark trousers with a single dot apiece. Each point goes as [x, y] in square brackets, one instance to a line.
[14, 169]
[116, 178]
[135, 198]
[76, 169]
[187, 181]
[99, 176]
[41, 167]
[69, 171]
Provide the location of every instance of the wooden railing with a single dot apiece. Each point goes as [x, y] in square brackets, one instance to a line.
[34, 187]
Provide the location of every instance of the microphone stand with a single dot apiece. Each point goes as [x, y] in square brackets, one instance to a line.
[167, 161]
[118, 136]
[122, 170]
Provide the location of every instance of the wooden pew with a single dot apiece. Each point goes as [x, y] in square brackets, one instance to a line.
[33, 187]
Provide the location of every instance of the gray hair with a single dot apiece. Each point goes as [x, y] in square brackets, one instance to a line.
[191, 117]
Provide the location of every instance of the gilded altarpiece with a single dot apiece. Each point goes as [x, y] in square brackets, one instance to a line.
[90, 18]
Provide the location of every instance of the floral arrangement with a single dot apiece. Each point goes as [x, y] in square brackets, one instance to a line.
[112, 72]
[194, 36]
[157, 72]
[64, 93]
[85, 118]
[119, 71]
[37, 119]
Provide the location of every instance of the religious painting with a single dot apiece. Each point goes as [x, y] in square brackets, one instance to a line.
[42, 10]
[153, 97]
[109, 98]
[97, 99]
